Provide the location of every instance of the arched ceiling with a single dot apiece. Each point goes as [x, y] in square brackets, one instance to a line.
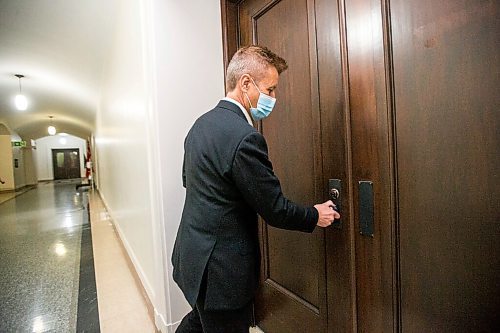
[61, 47]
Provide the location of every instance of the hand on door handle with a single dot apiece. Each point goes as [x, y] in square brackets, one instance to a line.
[335, 188]
[327, 213]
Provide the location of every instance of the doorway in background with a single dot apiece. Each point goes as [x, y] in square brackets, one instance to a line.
[66, 163]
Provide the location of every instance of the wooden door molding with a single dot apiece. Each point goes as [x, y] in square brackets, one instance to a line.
[336, 148]
[230, 39]
[372, 151]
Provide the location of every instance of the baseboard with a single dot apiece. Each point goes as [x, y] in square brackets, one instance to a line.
[161, 324]
[135, 268]
[164, 327]
[25, 187]
[19, 189]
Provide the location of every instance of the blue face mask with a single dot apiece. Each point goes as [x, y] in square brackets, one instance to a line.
[265, 105]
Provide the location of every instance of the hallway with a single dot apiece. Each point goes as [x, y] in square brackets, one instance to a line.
[96, 72]
[47, 260]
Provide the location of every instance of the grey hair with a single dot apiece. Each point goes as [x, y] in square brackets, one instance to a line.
[253, 60]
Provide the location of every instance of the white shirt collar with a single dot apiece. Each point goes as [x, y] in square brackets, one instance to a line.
[229, 99]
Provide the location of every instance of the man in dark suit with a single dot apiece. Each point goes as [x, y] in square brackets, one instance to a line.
[229, 180]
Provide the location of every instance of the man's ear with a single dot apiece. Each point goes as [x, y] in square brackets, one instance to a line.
[245, 82]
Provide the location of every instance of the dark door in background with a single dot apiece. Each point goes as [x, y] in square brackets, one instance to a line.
[66, 163]
[399, 100]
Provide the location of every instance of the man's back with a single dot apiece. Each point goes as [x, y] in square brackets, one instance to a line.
[216, 220]
[228, 179]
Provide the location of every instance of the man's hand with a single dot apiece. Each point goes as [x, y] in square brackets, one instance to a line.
[326, 214]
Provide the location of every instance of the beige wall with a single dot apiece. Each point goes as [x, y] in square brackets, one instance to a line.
[6, 163]
[29, 166]
[19, 176]
[25, 173]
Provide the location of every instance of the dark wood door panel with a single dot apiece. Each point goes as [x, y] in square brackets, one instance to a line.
[285, 249]
[281, 311]
[294, 263]
[446, 78]
[290, 140]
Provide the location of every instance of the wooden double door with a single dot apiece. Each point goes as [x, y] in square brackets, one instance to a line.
[397, 102]
[66, 163]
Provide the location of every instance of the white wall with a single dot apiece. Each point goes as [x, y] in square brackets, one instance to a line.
[121, 145]
[43, 155]
[166, 69]
[190, 81]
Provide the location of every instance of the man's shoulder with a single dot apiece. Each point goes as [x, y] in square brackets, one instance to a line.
[221, 126]
[225, 116]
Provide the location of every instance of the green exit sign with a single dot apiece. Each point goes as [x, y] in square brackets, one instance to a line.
[18, 143]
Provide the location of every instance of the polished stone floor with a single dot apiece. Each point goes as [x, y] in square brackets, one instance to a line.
[48, 253]
[40, 246]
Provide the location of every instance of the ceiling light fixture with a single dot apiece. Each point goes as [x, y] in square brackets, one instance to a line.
[51, 129]
[21, 101]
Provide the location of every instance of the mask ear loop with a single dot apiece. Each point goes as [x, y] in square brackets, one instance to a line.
[255, 84]
[246, 95]
[250, 103]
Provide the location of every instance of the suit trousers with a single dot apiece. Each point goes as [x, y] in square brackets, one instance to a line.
[200, 320]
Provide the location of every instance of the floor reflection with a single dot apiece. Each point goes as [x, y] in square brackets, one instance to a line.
[40, 235]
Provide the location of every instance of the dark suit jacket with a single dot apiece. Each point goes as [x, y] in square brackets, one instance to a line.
[228, 179]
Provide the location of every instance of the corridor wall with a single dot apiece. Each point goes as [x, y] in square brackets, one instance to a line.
[189, 82]
[165, 70]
